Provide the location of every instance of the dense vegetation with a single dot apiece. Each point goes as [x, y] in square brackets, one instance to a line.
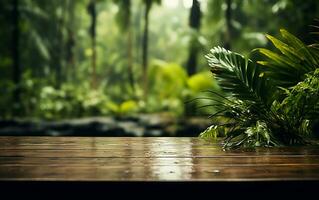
[270, 103]
[77, 58]
[74, 58]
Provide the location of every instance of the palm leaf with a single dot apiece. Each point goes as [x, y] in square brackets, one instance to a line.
[295, 60]
[302, 49]
[239, 76]
[256, 115]
[285, 49]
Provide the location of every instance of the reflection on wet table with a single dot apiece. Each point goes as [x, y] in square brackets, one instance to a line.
[149, 159]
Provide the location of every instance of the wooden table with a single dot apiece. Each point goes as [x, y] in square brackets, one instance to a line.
[108, 160]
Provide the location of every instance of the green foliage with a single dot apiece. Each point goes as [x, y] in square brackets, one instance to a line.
[260, 109]
[171, 88]
[128, 107]
[5, 88]
[70, 101]
[300, 107]
[167, 79]
[200, 82]
[213, 131]
[167, 83]
[295, 59]
[256, 135]
[239, 76]
[124, 13]
[56, 52]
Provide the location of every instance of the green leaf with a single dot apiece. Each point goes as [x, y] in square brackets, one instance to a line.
[295, 59]
[239, 76]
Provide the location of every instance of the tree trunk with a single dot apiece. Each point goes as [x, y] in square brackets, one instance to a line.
[128, 11]
[194, 23]
[228, 34]
[70, 43]
[92, 12]
[70, 75]
[137, 23]
[60, 47]
[145, 47]
[130, 58]
[16, 56]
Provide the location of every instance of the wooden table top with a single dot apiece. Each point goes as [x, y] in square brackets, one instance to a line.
[149, 159]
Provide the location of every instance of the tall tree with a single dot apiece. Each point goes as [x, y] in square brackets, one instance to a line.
[219, 14]
[194, 23]
[92, 11]
[124, 22]
[60, 45]
[16, 53]
[51, 17]
[70, 41]
[148, 5]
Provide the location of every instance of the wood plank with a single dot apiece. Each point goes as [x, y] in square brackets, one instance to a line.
[149, 159]
[218, 161]
[107, 140]
[163, 173]
[138, 144]
[156, 152]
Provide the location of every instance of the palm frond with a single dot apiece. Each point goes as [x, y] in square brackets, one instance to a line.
[264, 113]
[295, 60]
[239, 76]
[302, 49]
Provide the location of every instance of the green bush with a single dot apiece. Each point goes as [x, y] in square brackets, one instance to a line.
[171, 89]
[70, 101]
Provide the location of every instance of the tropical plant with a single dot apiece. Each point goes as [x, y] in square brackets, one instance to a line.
[295, 60]
[269, 103]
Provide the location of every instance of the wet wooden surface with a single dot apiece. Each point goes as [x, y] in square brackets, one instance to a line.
[149, 159]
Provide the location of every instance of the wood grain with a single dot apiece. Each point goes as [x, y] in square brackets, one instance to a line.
[149, 159]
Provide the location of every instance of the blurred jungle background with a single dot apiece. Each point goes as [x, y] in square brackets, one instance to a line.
[124, 67]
